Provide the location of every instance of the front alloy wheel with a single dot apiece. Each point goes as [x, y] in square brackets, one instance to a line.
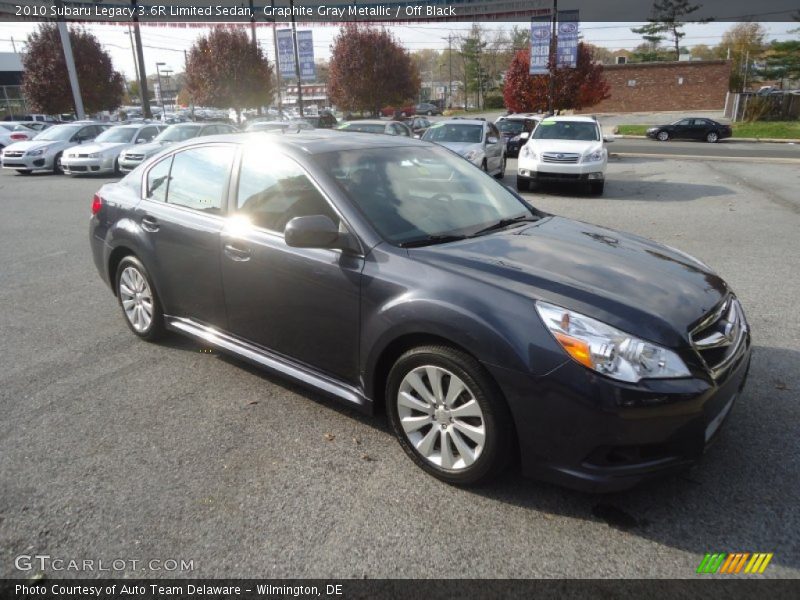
[138, 300]
[662, 136]
[448, 415]
[712, 137]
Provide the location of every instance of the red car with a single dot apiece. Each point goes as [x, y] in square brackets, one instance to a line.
[399, 111]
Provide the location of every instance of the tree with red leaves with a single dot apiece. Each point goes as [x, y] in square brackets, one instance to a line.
[369, 69]
[45, 83]
[577, 88]
[225, 70]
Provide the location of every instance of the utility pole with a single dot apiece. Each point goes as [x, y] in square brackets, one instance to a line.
[746, 69]
[146, 113]
[253, 40]
[185, 69]
[133, 54]
[66, 45]
[296, 61]
[160, 90]
[449, 100]
[278, 81]
[553, 61]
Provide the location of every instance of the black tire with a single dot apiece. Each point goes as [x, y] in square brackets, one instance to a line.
[500, 436]
[117, 170]
[597, 187]
[712, 137]
[502, 172]
[662, 136]
[57, 165]
[523, 185]
[484, 166]
[156, 329]
[24, 171]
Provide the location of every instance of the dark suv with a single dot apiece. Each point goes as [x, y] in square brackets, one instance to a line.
[389, 271]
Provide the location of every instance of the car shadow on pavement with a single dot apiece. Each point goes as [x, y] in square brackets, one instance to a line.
[742, 497]
[639, 190]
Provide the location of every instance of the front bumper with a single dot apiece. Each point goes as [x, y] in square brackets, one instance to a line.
[126, 165]
[579, 429]
[535, 170]
[513, 147]
[82, 166]
[28, 163]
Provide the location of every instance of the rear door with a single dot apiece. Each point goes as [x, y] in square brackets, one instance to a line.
[182, 215]
[494, 149]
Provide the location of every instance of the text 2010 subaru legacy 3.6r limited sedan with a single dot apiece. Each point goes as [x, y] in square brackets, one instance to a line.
[387, 270]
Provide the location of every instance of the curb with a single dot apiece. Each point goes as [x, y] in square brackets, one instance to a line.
[731, 139]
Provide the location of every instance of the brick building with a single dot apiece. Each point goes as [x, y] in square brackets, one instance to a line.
[679, 86]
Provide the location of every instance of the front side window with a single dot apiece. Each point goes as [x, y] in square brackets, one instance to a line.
[275, 189]
[147, 134]
[454, 132]
[199, 177]
[157, 180]
[117, 135]
[414, 194]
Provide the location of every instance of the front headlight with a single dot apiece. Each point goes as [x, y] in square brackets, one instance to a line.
[94, 155]
[35, 152]
[595, 156]
[515, 138]
[470, 154]
[608, 350]
[527, 152]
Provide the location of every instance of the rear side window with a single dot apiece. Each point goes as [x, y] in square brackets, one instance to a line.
[157, 179]
[199, 178]
[273, 190]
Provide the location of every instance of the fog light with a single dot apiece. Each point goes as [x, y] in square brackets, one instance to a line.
[524, 172]
[595, 175]
[39, 162]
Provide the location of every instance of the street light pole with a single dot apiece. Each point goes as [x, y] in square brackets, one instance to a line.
[296, 61]
[160, 88]
[66, 45]
[553, 61]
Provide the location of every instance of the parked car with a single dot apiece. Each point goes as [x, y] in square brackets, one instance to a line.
[43, 152]
[691, 129]
[564, 150]
[426, 108]
[475, 139]
[399, 111]
[376, 126]
[102, 155]
[132, 157]
[512, 127]
[418, 125]
[16, 131]
[388, 271]
[322, 121]
[293, 125]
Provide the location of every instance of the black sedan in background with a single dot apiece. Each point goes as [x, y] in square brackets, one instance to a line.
[426, 108]
[418, 125]
[390, 271]
[691, 129]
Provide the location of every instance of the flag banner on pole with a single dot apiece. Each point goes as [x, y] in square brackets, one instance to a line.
[541, 32]
[305, 50]
[286, 53]
[567, 50]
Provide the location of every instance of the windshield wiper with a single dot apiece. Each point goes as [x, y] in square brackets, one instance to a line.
[503, 223]
[431, 240]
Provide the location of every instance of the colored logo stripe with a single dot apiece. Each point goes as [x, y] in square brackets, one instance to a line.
[733, 563]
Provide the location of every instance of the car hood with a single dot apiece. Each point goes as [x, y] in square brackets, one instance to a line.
[461, 147]
[565, 146]
[148, 149]
[29, 145]
[639, 286]
[100, 147]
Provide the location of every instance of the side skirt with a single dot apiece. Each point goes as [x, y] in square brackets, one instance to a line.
[270, 360]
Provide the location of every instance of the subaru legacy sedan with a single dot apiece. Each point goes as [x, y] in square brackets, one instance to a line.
[387, 271]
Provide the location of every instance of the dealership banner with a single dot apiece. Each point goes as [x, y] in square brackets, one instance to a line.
[541, 32]
[567, 48]
[305, 52]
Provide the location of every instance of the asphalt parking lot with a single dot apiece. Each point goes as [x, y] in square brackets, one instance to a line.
[112, 448]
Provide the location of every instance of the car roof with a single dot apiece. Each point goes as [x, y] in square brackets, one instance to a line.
[370, 122]
[459, 121]
[320, 141]
[574, 118]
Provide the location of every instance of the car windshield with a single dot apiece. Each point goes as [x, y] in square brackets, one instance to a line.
[566, 130]
[454, 132]
[364, 127]
[59, 133]
[178, 133]
[117, 134]
[508, 126]
[413, 195]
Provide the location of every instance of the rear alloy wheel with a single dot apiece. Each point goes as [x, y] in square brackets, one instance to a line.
[712, 137]
[429, 113]
[138, 300]
[57, 170]
[662, 136]
[448, 415]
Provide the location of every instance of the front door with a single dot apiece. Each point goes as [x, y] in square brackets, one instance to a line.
[302, 303]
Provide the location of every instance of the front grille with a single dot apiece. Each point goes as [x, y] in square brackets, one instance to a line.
[560, 157]
[133, 156]
[13, 154]
[76, 168]
[82, 155]
[720, 335]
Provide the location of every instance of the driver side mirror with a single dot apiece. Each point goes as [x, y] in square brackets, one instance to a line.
[141, 141]
[609, 138]
[312, 231]
[524, 135]
[491, 140]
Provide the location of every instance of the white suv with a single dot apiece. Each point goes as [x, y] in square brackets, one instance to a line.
[564, 149]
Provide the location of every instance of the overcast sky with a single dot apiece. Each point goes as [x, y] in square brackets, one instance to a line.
[166, 44]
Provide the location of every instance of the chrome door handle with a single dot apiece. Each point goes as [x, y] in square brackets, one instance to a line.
[150, 224]
[237, 254]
